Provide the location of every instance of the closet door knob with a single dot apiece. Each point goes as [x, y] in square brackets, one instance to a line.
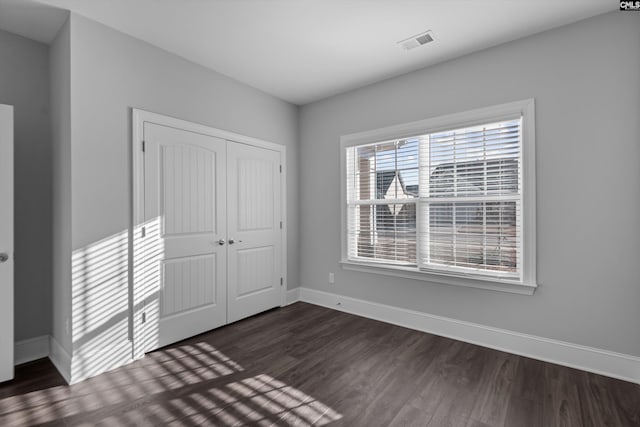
[4, 257]
[221, 242]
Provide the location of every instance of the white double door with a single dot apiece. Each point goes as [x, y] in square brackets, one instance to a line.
[214, 241]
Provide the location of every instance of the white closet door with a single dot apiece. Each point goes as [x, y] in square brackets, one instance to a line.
[185, 249]
[253, 200]
[6, 242]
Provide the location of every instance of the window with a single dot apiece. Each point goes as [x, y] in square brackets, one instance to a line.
[451, 196]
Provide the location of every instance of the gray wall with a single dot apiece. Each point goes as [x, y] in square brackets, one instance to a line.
[111, 73]
[60, 79]
[24, 83]
[584, 78]
[114, 72]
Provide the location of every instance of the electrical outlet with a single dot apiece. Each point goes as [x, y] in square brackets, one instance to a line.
[332, 278]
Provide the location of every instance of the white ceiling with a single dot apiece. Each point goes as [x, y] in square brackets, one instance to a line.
[305, 50]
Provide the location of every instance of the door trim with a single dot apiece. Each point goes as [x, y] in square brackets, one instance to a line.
[139, 118]
[7, 240]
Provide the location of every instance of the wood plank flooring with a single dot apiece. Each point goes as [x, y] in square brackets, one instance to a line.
[305, 365]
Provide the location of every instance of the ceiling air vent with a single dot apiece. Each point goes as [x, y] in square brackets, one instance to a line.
[417, 40]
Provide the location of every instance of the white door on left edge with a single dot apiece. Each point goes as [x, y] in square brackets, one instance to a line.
[185, 247]
[6, 242]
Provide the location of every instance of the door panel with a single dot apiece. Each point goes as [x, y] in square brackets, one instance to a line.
[254, 181]
[185, 197]
[254, 199]
[6, 243]
[255, 270]
[188, 283]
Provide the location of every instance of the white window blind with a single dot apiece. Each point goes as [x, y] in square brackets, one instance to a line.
[382, 189]
[447, 201]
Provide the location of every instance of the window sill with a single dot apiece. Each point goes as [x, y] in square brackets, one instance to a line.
[445, 279]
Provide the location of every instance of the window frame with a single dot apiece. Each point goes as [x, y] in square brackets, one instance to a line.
[496, 113]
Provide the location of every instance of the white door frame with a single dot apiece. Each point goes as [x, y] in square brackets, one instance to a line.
[6, 243]
[139, 117]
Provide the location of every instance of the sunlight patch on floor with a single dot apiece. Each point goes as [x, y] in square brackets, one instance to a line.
[155, 391]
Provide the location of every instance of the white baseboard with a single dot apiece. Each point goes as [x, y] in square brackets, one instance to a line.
[79, 367]
[293, 295]
[60, 359]
[87, 364]
[31, 349]
[611, 364]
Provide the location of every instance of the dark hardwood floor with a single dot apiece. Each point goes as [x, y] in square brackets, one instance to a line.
[306, 365]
